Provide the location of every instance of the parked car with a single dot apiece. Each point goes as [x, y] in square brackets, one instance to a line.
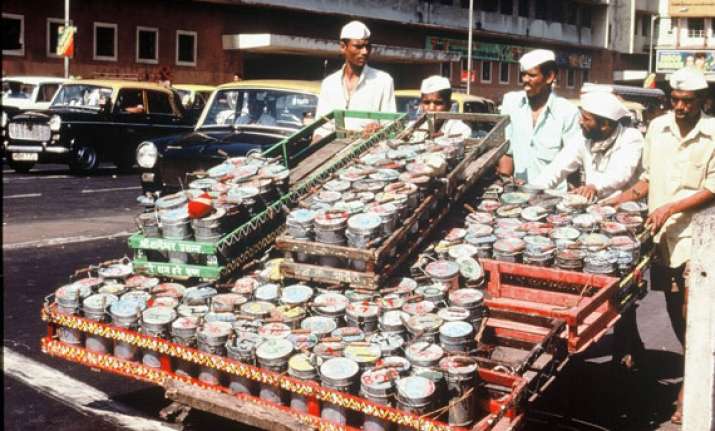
[90, 121]
[239, 117]
[21, 93]
[409, 101]
[194, 98]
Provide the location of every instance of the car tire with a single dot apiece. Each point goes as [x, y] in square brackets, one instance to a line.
[20, 167]
[85, 159]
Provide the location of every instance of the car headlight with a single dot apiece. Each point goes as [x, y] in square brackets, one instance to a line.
[3, 121]
[55, 123]
[147, 155]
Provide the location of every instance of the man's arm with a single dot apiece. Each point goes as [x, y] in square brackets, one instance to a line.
[638, 191]
[657, 218]
[568, 160]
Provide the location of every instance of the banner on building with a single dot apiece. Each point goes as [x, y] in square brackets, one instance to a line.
[694, 8]
[668, 61]
[500, 52]
[65, 40]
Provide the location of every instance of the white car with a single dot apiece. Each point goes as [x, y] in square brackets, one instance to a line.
[23, 93]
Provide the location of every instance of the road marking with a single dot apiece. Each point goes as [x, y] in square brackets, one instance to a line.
[44, 177]
[26, 195]
[76, 394]
[111, 189]
[63, 241]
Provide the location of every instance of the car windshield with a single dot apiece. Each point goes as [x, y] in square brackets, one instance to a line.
[411, 105]
[17, 89]
[269, 108]
[82, 96]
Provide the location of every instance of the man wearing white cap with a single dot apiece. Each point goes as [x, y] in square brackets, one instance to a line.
[678, 178]
[610, 155]
[541, 122]
[356, 86]
[436, 96]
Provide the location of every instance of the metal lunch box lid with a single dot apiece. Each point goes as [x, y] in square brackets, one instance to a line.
[275, 351]
[515, 198]
[584, 221]
[565, 233]
[420, 169]
[175, 216]
[213, 316]
[243, 346]
[594, 241]
[244, 171]
[368, 185]
[112, 287]
[417, 180]
[139, 281]
[393, 320]
[401, 187]
[397, 363]
[415, 389]
[387, 342]
[210, 219]
[419, 307]
[456, 329]
[383, 209]
[227, 301]
[274, 330]
[613, 228]
[510, 245]
[330, 303]
[184, 327]
[331, 220]
[455, 234]
[259, 309]
[632, 207]
[301, 217]
[432, 292]
[362, 311]
[328, 197]
[117, 270]
[125, 310]
[480, 218]
[165, 301]
[470, 269]
[158, 316]
[392, 301]
[534, 213]
[604, 211]
[339, 371]
[467, 298]
[494, 189]
[267, 292]
[301, 367]
[70, 295]
[537, 228]
[214, 333]
[349, 334]
[302, 341]
[171, 201]
[631, 220]
[423, 353]
[337, 186]
[442, 269]
[276, 171]
[289, 312]
[364, 222]
[98, 302]
[601, 257]
[239, 194]
[387, 175]
[462, 250]
[245, 286]
[220, 170]
[572, 200]
[509, 211]
[192, 310]
[140, 297]
[508, 223]
[351, 207]
[453, 314]
[351, 175]
[401, 153]
[174, 290]
[202, 184]
[559, 219]
[379, 382]
[327, 349]
[198, 295]
[481, 241]
[624, 243]
[509, 232]
[362, 353]
[459, 366]
[296, 294]
[424, 323]
[539, 243]
[568, 254]
[319, 325]
[405, 285]
[478, 229]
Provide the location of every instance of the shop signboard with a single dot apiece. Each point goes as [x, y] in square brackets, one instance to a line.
[668, 61]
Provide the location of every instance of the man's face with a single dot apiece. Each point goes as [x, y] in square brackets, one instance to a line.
[591, 128]
[534, 82]
[433, 102]
[686, 104]
[356, 51]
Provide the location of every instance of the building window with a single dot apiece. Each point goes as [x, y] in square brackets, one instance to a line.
[696, 27]
[53, 35]
[13, 34]
[586, 17]
[524, 8]
[540, 9]
[489, 5]
[446, 70]
[185, 48]
[506, 7]
[105, 41]
[147, 45]
[504, 77]
[570, 78]
[486, 71]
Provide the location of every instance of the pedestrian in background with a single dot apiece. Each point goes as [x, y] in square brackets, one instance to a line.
[541, 122]
[436, 96]
[356, 85]
[679, 179]
[165, 77]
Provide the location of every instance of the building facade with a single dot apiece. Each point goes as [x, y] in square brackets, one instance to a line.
[210, 41]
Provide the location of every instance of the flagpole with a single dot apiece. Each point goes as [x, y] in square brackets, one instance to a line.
[469, 47]
[67, 24]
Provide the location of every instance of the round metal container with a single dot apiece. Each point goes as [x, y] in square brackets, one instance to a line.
[329, 349]
[257, 309]
[461, 373]
[227, 302]
[301, 367]
[112, 287]
[165, 301]
[212, 316]
[339, 373]
[269, 292]
[214, 334]
[570, 259]
[424, 326]
[398, 363]
[349, 334]
[173, 290]
[364, 354]
[388, 214]
[319, 325]
[170, 202]
[245, 286]
[390, 302]
[424, 354]
[419, 307]
[392, 321]
[483, 218]
[274, 330]
[454, 314]
[378, 385]
[291, 315]
[69, 296]
[363, 315]
[457, 337]
[444, 272]
[184, 328]
[198, 295]
[330, 304]
[273, 354]
[156, 320]
[601, 262]
[389, 343]
[125, 313]
[414, 394]
[299, 223]
[302, 342]
[141, 282]
[509, 249]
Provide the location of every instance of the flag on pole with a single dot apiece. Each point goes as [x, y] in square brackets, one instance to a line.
[65, 40]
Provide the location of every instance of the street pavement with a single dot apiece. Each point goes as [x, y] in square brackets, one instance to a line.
[54, 223]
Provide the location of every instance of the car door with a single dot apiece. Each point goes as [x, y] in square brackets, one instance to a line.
[164, 118]
[131, 119]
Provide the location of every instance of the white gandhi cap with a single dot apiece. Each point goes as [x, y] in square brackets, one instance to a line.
[435, 83]
[355, 30]
[603, 104]
[535, 58]
[688, 79]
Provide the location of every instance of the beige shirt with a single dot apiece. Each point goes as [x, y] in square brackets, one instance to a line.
[450, 129]
[677, 167]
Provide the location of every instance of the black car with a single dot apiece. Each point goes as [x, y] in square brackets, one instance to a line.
[90, 121]
[239, 117]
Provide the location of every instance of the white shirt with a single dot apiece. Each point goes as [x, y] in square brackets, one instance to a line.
[375, 91]
[450, 128]
[611, 171]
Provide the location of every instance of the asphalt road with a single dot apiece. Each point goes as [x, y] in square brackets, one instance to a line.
[54, 223]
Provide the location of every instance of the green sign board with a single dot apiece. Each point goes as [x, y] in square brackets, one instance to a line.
[141, 242]
[668, 61]
[176, 270]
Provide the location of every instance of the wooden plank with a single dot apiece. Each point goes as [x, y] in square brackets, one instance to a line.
[231, 407]
[321, 274]
[288, 243]
[309, 164]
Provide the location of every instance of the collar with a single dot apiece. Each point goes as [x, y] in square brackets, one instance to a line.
[549, 106]
[703, 126]
[606, 144]
[363, 74]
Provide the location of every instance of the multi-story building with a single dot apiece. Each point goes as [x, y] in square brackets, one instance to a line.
[210, 41]
[687, 36]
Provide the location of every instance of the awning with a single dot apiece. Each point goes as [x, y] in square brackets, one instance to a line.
[269, 43]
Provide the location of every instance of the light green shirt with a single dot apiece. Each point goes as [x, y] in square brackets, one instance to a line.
[533, 147]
